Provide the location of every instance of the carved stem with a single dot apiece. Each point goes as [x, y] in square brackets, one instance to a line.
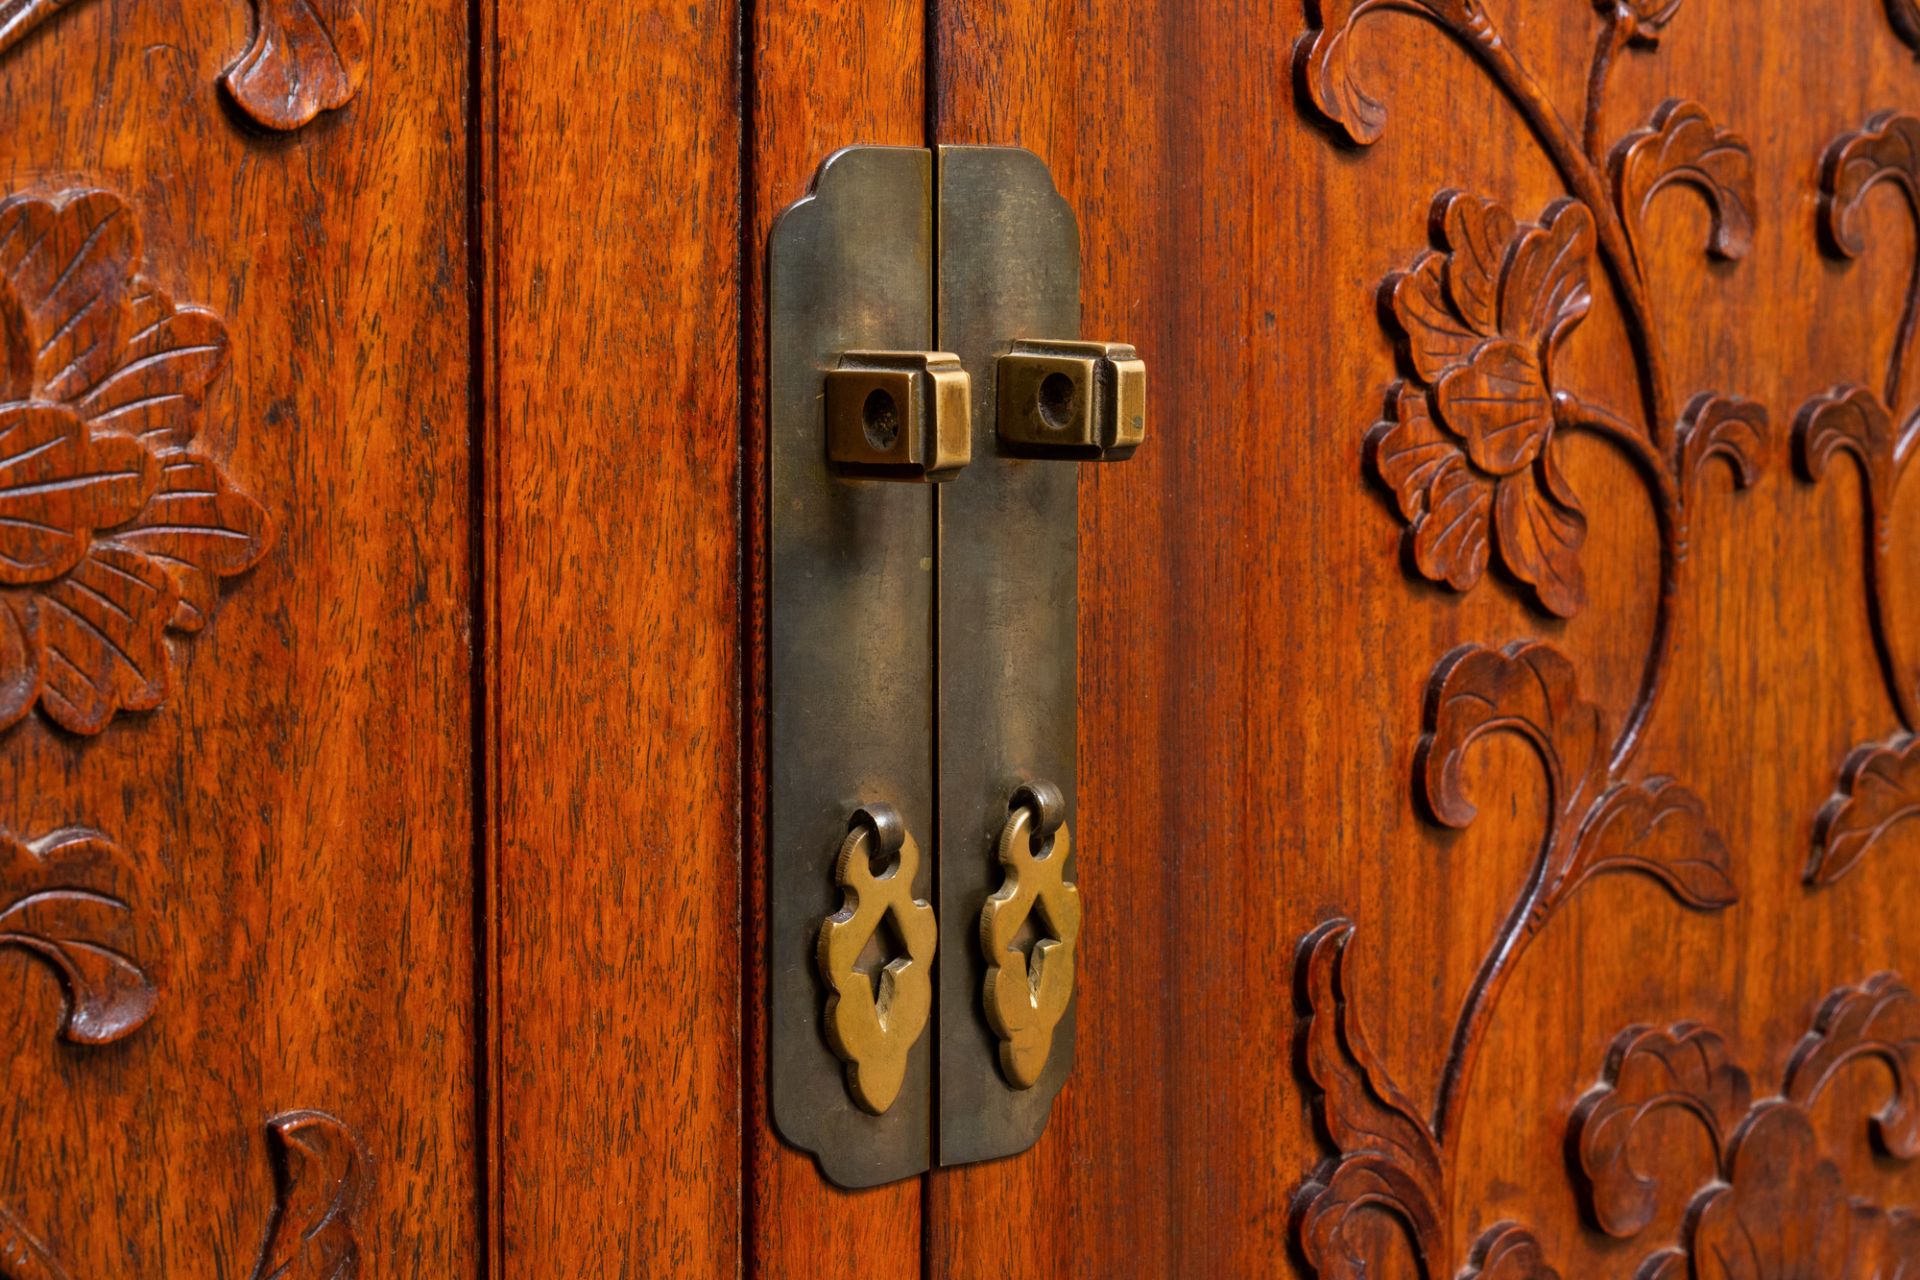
[1586, 180]
[1879, 575]
[1903, 342]
[1670, 513]
[1612, 40]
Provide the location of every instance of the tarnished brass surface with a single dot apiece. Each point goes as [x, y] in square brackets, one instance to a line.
[1026, 992]
[901, 415]
[1072, 399]
[874, 1018]
[850, 620]
[1009, 259]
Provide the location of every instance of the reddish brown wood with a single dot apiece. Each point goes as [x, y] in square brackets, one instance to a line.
[822, 75]
[612, 620]
[237, 600]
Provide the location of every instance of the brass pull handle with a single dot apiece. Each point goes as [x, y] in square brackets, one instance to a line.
[1027, 993]
[899, 415]
[874, 1018]
[1072, 400]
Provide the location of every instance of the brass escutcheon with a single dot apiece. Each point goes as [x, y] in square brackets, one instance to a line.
[1026, 998]
[872, 1027]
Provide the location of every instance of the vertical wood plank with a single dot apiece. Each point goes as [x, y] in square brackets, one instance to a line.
[822, 75]
[613, 541]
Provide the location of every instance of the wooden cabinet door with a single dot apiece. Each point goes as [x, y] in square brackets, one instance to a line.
[1497, 677]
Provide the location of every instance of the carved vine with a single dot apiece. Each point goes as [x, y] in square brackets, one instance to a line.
[64, 900]
[1772, 1206]
[1879, 784]
[1470, 449]
[114, 528]
[306, 56]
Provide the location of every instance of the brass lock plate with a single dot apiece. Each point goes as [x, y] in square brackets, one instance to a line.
[850, 679]
[1009, 267]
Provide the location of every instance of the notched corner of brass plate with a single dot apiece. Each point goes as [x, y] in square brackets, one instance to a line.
[1072, 399]
[901, 415]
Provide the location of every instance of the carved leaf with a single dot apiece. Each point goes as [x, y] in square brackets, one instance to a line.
[65, 270]
[1324, 60]
[199, 529]
[321, 1175]
[1683, 146]
[1852, 420]
[1528, 689]
[1885, 1245]
[1782, 1214]
[18, 18]
[61, 905]
[307, 56]
[1508, 1252]
[1388, 1160]
[1649, 1071]
[1905, 16]
[1658, 828]
[154, 389]
[1540, 528]
[103, 628]
[59, 483]
[1879, 790]
[1887, 150]
[1645, 18]
[1447, 504]
[1733, 430]
[1879, 1019]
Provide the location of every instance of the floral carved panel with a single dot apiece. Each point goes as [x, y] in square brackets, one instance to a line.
[1471, 449]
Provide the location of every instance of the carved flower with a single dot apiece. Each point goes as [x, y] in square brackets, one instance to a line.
[112, 529]
[1468, 449]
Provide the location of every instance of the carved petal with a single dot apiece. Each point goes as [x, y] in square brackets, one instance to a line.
[59, 904]
[1649, 1071]
[1477, 233]
[1499, 404]
[1879, 1019]
[19, 660]
[171, 354]
[1540, 529]
[1736, 431]
[307, 56]
[1508, 1252]
[65, 270]
[1659, 828]
[1388, 1159]
[1887, 150]
[102, 627]
[1544, 290]
[1529, 689]
[1879, 790]
[322, 1178]
[1448, 504]
[1439, 338]
[57, 486]
[199, 529]
[1783, 1216]
[1682, 145]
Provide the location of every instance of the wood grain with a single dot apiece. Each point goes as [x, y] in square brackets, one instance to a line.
[293, 808]
[611, 500]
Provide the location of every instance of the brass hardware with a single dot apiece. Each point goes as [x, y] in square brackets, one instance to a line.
[872, 1020]
[1026, 992]
[849, 615]
[899, 414]
[905, 346]
[1073, 400]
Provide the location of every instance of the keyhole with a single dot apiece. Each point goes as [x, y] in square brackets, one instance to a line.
[881, 418]
[1056, 400]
